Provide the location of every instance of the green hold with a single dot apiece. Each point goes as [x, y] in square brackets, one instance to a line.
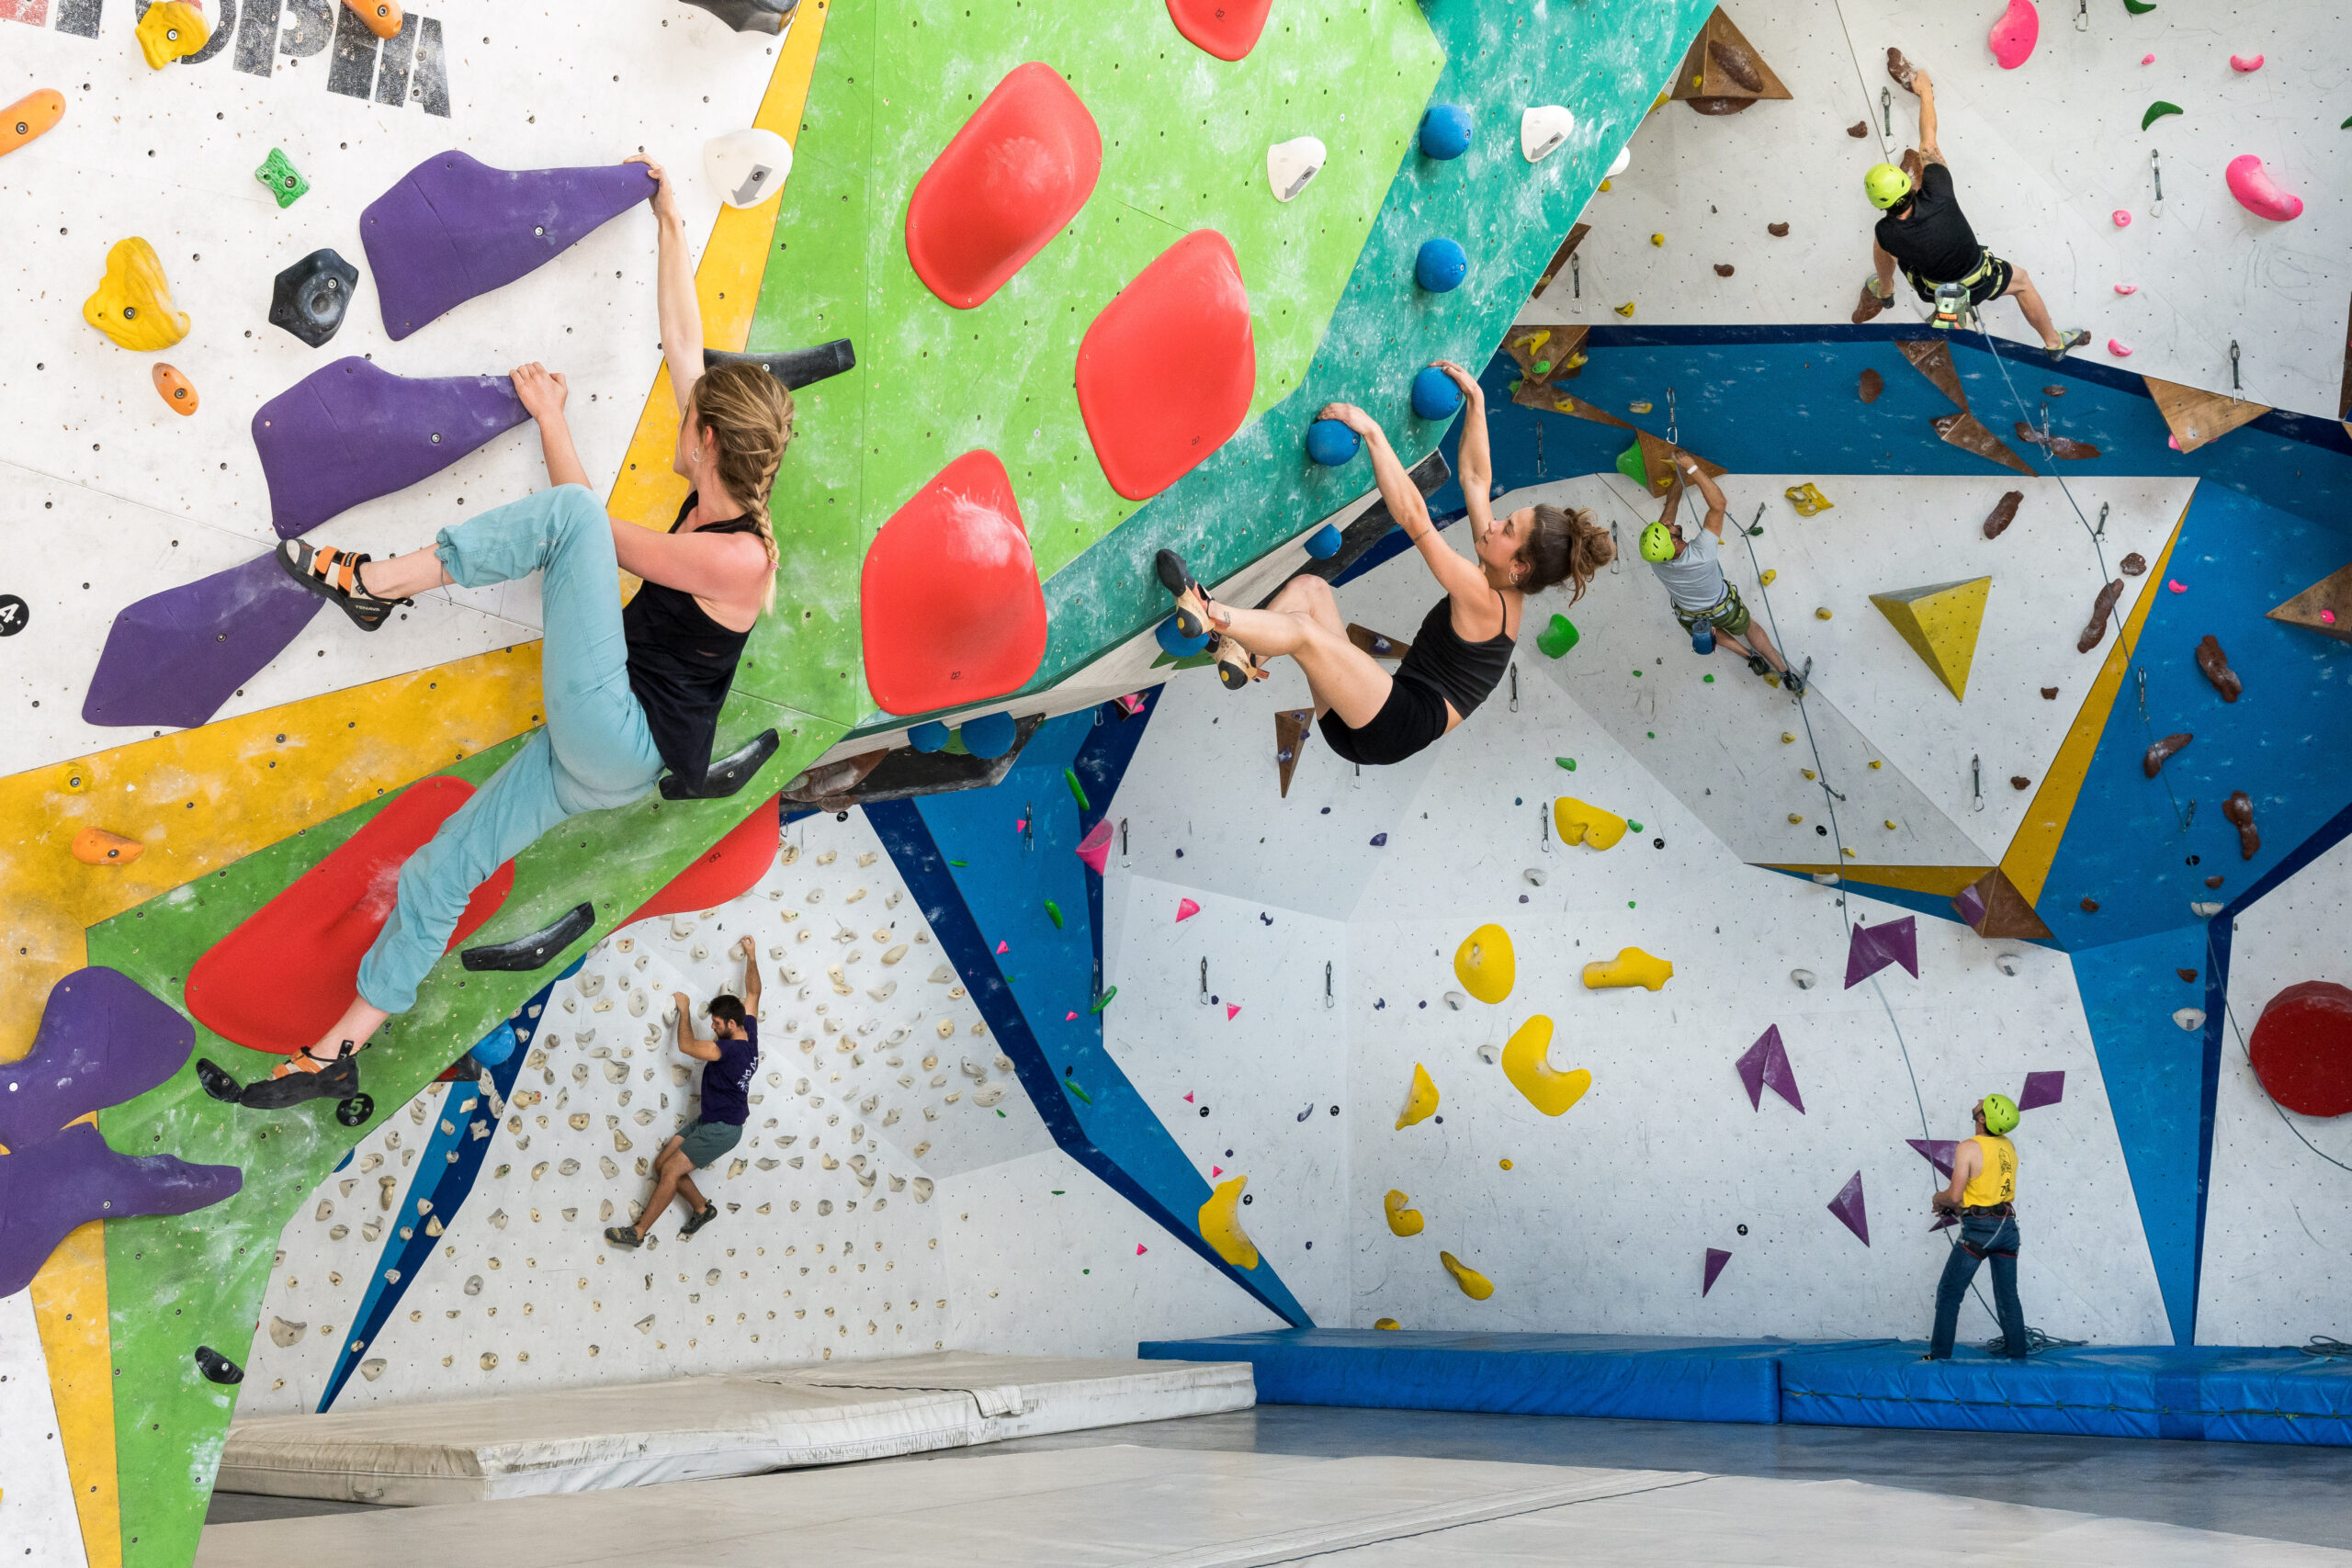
[2158, 111]
[1541, 368]
[1071, 1085]
[1515, 386]
[1628, 463]
[1567, 762]
[285, 182]
[1558, 638]
[1054, 913]
[1637, 674]
[1077, 793]
[1757, 532]
[955, 746]
[959, 863]
[1710, 679]
[1105, 1001]
[1632, 825]
[2138, 7]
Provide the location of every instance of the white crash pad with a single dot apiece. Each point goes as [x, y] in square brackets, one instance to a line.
[592, 1439]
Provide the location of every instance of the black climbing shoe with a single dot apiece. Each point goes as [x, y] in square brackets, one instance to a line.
[623, 1235]
[697, 1220]
[2068, 343]
[1756, 662]
[219, 1084]
[338, 1079]
[726, 775]
[1191, 600]
[216, 1366]
[1793, 682]
[333, 575]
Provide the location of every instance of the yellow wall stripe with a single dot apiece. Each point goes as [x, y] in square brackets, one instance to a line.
[70, 1306]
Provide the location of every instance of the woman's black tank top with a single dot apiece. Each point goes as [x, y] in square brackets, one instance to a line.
[1464, 673]
[681, 663]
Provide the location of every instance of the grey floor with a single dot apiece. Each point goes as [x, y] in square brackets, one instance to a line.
[2294, 1494]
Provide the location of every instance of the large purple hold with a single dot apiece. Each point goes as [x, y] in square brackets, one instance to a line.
[1873, 948]
[454, 228]
[1717, 1258]
[1766, 1063]
[174, 657]
[1937, 1152]
[51, 1188]
[103, 1039]
[1848, 1207]
[350, 433]
[2042, 1089]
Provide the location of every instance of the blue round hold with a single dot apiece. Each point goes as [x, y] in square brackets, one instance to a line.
[496, 1046]
[1441, 266]
[929, 736]
[1330, 443]
[1434, 394]
[1324, 543]
[1175, 644]
[1445, 130]
[991, 735]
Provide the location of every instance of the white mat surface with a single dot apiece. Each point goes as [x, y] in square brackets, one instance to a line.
[1126, 1507]
[592, 1439]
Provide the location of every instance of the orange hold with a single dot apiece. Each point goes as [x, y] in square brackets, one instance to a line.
[382, 17]
[29, 116]
[174, 390]
[95, 846]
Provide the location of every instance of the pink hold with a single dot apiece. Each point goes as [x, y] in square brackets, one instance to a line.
[2172, 442]
[2327, 616]
[1140, 1249]
[2122, 218]
[1132, 702]
[2177, 587]
[2013, 37]
[1021, 824]
[2147, 60]
[1095, 848]
[1214, 1171]
[2127, 289]
[2258, 193]
[1004, 947]
[2239, 63]
[1186, 908]
[1188, 1098]
[1068, 1017]
[2120, 350]
[1231, 1013]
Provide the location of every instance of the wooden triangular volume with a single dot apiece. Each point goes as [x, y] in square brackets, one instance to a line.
[2326, 606]
[1559, 262]
[1992, 906]
[2198, 417]
[1967, 432]
[1657, 462]
[1723, 74]
[1542, 354]
[1292, 726]
[1932, 358]
[1377, 645]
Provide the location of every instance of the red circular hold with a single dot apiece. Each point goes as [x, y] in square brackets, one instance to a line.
[725, 870]
[948, 600]
[1166, 370]
[1018, 171]
[1226, 29]
[2303, 1048]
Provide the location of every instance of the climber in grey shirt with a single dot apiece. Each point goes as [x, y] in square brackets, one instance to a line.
[1702, 599]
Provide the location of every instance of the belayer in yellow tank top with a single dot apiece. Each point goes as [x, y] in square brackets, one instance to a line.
[1983, 1198]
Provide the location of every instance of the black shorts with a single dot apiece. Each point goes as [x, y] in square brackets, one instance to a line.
[1991, 287]
[1414, 715]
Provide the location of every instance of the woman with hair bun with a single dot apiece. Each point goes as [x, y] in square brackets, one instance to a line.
[629, 692]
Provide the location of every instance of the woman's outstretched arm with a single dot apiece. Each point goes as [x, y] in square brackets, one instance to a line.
[542, 393]
[1453, 574]
[674, 287]
[1476, 459]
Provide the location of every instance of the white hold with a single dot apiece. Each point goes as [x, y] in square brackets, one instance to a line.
[2204, 911]
[922, 1188]
[589, 982]
[636, 1004]
[373, 1368]
[1541, 129]
[1292, 165]
[1456, 1000]
[1826, 879]
[1536, 875]
[1624, 158]
[2007, 963]
[283, 1334]
[747, 166]
[1803, 977]
[985, 1098]
[2190, 1020]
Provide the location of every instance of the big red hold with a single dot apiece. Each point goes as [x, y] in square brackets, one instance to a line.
[948, 599]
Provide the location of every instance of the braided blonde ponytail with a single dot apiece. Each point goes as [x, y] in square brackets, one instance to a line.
[749, 414]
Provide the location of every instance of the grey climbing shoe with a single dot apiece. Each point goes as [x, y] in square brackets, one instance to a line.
[623, 1235]
[699, 1219]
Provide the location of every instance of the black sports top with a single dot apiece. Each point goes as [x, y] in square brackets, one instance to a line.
[1464, 673]
[1935, 241]
[681, 663]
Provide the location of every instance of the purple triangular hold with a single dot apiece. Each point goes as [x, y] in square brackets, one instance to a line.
[455, 227]
[1873, 948]
[1943, 1222]
[174, 657]
[2042, 1089]
[1936, 1152]
[1766, 1063]
[67, 1180]
[1717, 1258]
[1969, 904]
[350, 432]
[1848, 1206]
[103, 1039]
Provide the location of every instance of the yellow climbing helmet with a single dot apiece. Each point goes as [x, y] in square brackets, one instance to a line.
[2000, 1115]
[1887, 185]
[1657, 543]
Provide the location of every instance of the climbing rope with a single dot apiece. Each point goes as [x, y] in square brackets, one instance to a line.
[2321, 1344]
[2036, 1342]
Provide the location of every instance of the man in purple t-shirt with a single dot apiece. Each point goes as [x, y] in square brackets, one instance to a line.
[729, 1059]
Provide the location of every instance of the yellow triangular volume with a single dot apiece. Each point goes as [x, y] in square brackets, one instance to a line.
[1940, 622]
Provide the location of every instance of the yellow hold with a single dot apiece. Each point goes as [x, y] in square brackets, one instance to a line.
[1486, 964]
[1221, 1225]
[1402, 1221]
[134, 304]
[1421, 1102]
[170, 30]
[1475, 1285]
[1940, 623]
[1626, 309]
[1579, 822]
[1807, 499]
[1387, 1323]
[1526, 1063]
[1631, 967]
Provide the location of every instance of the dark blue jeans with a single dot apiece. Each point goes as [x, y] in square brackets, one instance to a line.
[1981, 1237]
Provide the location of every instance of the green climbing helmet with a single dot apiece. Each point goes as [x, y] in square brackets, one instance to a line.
[1657, 543]
[2000, 1115]
[1887, 185]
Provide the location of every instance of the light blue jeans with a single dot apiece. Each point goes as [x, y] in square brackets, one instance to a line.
[593, 754]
